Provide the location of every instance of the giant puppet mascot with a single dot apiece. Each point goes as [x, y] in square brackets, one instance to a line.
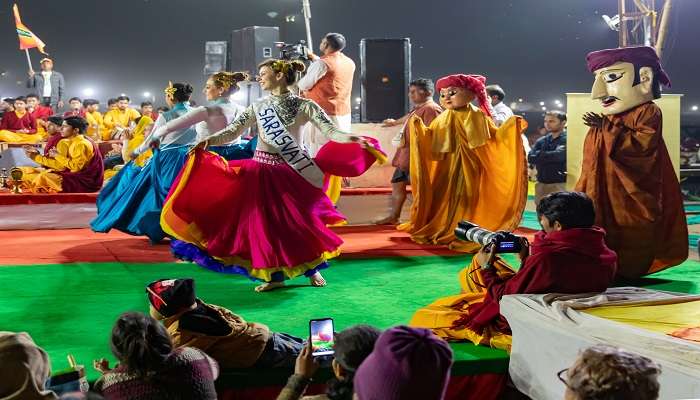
[465, 168]
[626, 167]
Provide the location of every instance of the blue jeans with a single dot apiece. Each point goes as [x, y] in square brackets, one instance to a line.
[281, 351]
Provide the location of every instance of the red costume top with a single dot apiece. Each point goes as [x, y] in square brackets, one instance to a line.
[14, 123]
[42, 112]
[71, 113]
[567, 261]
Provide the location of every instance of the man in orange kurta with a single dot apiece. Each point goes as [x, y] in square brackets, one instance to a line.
[626, 167]
[465, 168]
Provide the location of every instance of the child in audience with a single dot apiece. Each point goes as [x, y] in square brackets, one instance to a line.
[94, 118]
[24, 368]
[407, 363]
[76, 108]
[225, 336]
[351, 347]
[150, 367]
[606, 372]
[18, 126]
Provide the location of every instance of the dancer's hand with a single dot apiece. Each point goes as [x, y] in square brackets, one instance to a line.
[389, 122]
[306, 366]
[593, 120]
[360, 140]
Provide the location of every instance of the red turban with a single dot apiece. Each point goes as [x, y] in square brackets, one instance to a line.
[474, 83]
[640, 56]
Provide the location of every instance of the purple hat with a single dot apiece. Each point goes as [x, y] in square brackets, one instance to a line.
[406, 364]
[641, 56]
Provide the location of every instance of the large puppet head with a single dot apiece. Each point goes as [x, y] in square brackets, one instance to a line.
[626, 77]
[457, 91]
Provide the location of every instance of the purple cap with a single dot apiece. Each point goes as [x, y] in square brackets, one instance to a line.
[641, 56]
[406, 364]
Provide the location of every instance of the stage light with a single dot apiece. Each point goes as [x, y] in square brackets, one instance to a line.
[147, 94]
[87, 92]
[123, 94]
[358, 100]
[559, 105]
[694, 108]
[520, 100]
[544, 108]
[541, 103]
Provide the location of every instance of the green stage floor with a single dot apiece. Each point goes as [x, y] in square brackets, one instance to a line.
[70, 309]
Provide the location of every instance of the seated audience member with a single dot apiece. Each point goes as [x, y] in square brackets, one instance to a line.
[38, 111]
[223, 335]
[130, 142]
[568, 255]
[351, 347]
[24, 368]
[74, 166]
[54, 126]
[606, 372]
[161, 110]
[420, 92]
[150, 367]
[147, 110]
[76, 108]
[95, 121]
[6, 105]
[406, 363]
[120, 119]
[112, 104]
[18, 126]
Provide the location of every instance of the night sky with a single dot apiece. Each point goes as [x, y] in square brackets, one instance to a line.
[534, 48]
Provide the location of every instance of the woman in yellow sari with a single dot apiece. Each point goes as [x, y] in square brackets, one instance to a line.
[465, 168]
[131, 142]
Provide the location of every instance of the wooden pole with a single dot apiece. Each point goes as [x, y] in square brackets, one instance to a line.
[622, 10]
[29, 60]
[663, 27]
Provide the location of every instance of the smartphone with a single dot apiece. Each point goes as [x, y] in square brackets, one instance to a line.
[322, 335]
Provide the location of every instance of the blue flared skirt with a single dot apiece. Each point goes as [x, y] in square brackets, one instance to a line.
[132, 200]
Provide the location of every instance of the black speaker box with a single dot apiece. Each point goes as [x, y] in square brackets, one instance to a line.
[252, 45]
[385, 75]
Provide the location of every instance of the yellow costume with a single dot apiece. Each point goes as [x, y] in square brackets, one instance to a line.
[96, 129]
[465, 168]
[138, 137]
[14, 121]
[73, 155]
[117, 117]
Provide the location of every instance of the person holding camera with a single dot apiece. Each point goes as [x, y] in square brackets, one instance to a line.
[568, 255]
[328, 82]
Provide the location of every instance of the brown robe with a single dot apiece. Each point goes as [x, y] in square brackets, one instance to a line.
[628, 173]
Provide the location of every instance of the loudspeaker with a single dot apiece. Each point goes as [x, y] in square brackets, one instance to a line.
[385, 74]
[215, 57]
[252, 45]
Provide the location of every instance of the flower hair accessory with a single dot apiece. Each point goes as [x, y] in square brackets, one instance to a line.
[223, 81]
[281, 66]
[170, 90]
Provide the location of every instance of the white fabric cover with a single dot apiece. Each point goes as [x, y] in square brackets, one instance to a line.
[549, 332]
[46, 216]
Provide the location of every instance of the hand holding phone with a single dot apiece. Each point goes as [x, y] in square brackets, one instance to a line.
[322, 336]
[306, 365]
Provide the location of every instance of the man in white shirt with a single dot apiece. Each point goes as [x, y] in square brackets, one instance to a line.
[49, 84]
[328, 82]
[501, 111]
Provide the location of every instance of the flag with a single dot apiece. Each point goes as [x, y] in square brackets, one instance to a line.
[27, 39]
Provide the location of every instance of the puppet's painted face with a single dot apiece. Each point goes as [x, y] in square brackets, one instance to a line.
[613, 87]
[453, 98]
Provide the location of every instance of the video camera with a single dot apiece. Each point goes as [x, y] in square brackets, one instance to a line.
[505, 242]
[293, 51]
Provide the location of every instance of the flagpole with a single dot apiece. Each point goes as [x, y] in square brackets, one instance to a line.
[29, 60]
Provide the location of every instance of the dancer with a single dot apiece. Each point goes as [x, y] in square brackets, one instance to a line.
[268, 220]
[626, 167]
[130, 142]
[209, 119]
[132, 200]
[464, 168]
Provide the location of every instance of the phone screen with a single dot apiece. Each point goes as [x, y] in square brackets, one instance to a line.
[321, 336]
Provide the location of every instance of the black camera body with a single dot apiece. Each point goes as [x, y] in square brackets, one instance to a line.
[293, 51]
[505, 242]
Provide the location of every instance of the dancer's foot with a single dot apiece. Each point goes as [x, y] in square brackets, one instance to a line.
[317, 280]
[390, 220]
[267, 286]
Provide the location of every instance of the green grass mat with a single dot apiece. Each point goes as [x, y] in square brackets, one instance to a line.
[70, 309]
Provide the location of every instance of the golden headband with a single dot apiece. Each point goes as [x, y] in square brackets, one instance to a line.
[223, 81]
[170, 90]
[281, 66]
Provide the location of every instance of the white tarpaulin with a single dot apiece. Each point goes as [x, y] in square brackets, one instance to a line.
[549, 331]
